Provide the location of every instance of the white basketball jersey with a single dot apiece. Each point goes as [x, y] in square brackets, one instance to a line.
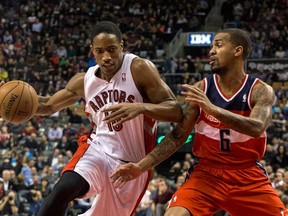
[125, 142]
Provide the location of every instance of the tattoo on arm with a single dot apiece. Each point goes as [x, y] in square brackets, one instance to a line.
[263, 99]
[167, 147]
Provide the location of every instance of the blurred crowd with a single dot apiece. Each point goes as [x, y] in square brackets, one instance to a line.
[46, 42]
[266, 20]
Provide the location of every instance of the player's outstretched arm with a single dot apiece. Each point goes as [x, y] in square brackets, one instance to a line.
[162, 151]
[159, 101]
[63, 98]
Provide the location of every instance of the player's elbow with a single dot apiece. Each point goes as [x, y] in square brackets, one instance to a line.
[257, 132]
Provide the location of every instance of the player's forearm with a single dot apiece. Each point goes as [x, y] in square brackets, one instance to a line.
[246, 125]
[162, 151]
[44, 109]
[52, 104]
[168, 111]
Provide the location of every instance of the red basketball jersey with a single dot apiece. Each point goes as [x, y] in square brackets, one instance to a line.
[218, 143]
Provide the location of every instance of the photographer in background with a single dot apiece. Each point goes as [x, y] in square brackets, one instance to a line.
[8, 204]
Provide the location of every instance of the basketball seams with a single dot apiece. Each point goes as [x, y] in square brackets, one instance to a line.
[8, 91]
[31, 98]
[19, 101]
[20, 98]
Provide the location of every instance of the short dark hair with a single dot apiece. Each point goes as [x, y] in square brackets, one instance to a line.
[106, 27]
[239, 37]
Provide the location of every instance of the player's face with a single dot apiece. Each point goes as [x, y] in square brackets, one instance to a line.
[108, 53]
[222, 52]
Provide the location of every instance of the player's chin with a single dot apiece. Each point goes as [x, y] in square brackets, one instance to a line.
[109, 70]
[216, 69]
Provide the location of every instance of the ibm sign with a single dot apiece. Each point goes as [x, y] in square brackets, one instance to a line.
[200, 39]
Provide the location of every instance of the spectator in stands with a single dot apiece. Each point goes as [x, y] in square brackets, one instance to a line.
[58, 167]
[269, 154]
[199, 66]
[144, 208]
[53, 159]
[35, 201]
[7, 37]
[163, 195]
[280, 52]
[276, 142]
[281, 158]
[6, 164]
[26, 171]
[20, 185]
[40, 162]
[279, 179]
[45, 144]
[268, 51]
[32, 143]
[7, 184]
[175, 170]
[29, 129]
[279, 123]
[55, 133]
[180, 180]
[45, 187]
[63, 144]
[4, 134]
[51, 177]
[8, 204]
[68, 130]
[13, 178]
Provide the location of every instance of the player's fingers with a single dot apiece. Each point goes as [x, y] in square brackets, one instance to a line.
[186, 93]
[190, 88]
[123, 119]
[118, 173]
[112, 108]
[186, 86]
[115, 175]
[120, 182]
[2, 83]
[114, 116]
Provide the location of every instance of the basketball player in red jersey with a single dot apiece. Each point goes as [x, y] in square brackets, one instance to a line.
[132, 89]
[230, 111]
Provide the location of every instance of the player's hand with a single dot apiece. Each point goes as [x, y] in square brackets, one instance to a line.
[122, 112]
[125, 173]
[196, 95]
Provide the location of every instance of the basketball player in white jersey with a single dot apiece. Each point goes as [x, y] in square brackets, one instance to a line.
[132, 89]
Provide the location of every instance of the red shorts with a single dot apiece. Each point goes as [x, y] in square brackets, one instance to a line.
[246, 191]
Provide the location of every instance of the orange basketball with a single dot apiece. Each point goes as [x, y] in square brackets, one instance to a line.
[18, 101]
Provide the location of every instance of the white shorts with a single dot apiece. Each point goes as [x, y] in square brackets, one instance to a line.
[95, 167]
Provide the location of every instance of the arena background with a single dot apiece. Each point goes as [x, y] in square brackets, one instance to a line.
[45, 42]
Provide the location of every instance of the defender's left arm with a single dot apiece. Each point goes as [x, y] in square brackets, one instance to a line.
[254, 125]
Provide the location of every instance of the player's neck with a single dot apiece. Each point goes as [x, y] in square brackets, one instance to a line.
[231, 82]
